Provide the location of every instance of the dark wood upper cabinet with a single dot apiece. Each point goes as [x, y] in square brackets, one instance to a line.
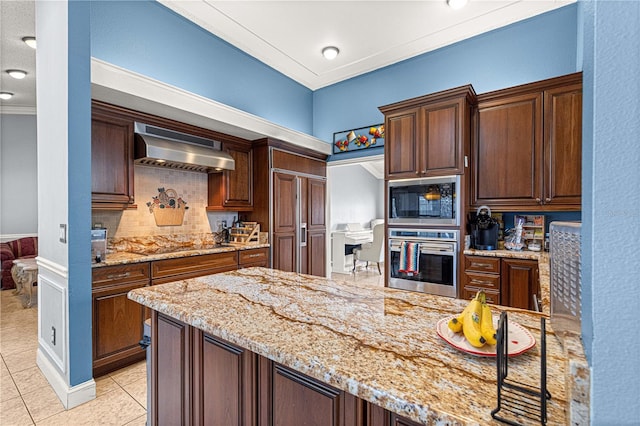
[527, 147]
[233, 189]
[111, 160]
[563, 145]
[401, 147]
[428, 135]
[508, 151]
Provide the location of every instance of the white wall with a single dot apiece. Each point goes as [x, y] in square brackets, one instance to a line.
[18, 176]
[356, 196]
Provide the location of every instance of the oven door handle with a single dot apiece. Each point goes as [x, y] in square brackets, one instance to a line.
[445, 252]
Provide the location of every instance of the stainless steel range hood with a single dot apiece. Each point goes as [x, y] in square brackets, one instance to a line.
[155, 146]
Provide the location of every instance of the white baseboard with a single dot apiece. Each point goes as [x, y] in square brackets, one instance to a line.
[69, 396]
[10, 237]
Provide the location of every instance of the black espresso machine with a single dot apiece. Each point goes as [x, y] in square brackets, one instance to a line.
[483, 229]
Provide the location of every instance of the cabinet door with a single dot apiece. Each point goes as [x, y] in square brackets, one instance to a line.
[316, 251]
[287, 397]
[232, 189]
[117, 327]
[313, 255]
[520, 283]
[171, 348]
[111, 161]
[224, 382]
[563, 146]
[283, 250]
[397, 420]
[508, 152]
[401, 145]
[284, 202]
[443, 152]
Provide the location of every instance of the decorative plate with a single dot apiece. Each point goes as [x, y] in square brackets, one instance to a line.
[520, 339]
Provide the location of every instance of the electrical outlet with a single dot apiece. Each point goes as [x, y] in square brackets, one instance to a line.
[53, 335]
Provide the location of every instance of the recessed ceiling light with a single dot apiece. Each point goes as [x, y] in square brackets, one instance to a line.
[330, 52]
[18, 74]
[457, 4]
[5, 95]
[30, 41]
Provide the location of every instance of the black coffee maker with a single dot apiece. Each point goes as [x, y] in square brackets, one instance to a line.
[483, 229]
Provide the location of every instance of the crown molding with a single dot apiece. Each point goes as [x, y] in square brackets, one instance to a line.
[18, 110]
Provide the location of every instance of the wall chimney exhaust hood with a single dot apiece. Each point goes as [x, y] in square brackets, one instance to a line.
[155, 146]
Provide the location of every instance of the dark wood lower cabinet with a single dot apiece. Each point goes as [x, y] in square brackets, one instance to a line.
[520, 283]
[171, 392]
[203, 380]
[291, 398]
[223, 382]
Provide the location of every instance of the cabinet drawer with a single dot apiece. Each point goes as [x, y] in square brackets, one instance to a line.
[489, 265]
[260, 255]
[485, 281]
[492, 296]
[117, 274]
[192, 266]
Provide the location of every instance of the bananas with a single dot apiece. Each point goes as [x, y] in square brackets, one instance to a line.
[486, 325]
[475, 322]
[471, 323]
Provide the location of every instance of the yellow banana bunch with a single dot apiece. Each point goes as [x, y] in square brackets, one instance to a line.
[471, 323]
[455, 324]
[475, 322]
[486, 325]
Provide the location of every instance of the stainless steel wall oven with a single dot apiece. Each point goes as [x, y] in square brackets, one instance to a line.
[436, 271]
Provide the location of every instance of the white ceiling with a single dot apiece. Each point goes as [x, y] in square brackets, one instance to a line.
[289, 35]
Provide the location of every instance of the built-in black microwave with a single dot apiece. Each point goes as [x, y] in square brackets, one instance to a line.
[426, 201]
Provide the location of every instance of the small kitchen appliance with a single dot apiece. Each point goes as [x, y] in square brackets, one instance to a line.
[430, 201]
[483, 229]
[98, 245]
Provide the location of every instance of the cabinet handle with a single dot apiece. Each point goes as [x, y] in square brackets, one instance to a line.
[547, 199]
[423, 172]
[255, 255]
[538, 200]
[118, 276]
[481, 265]
[474, 281]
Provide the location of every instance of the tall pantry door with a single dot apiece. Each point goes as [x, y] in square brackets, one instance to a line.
[284, 247]
[312, 213]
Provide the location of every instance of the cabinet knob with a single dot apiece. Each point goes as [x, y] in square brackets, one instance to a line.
[423, 172]
[547, 200]
[538, 200]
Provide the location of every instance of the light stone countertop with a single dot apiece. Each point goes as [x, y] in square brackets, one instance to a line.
[377, 343]
[125, 257]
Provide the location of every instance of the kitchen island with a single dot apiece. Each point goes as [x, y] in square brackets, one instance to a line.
[360, 349]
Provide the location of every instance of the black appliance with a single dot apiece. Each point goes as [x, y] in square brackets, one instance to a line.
[483, 229]
[430, 201]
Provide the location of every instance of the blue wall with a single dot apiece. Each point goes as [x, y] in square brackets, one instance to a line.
[530, 50]
[611, 208]
[79, 194]
[148, 38]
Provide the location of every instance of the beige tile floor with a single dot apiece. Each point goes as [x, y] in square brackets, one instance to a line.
[27, 399]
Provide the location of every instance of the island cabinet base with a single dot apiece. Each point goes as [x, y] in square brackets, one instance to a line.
[198, 379]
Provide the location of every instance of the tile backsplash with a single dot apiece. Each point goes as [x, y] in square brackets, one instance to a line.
[190, 186]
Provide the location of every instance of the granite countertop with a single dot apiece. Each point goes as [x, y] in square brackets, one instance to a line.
[543, 269]
[126, 257]
[377, 343]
